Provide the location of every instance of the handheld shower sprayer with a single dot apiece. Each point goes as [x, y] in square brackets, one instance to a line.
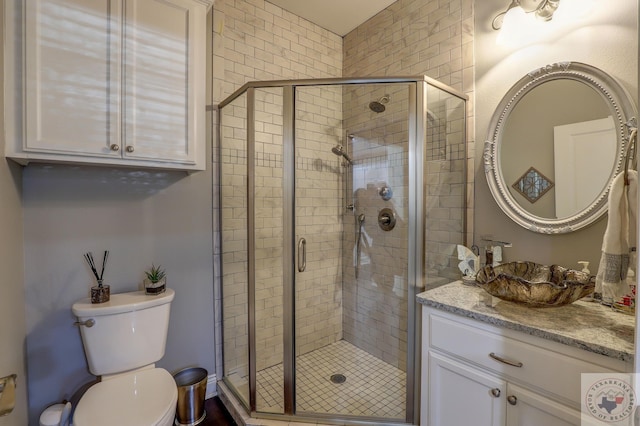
[339, 151]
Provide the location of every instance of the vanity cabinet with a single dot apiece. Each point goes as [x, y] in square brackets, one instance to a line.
[108, 82]
[460, 394]
[484, 375]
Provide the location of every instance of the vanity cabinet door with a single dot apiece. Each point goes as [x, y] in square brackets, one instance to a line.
[71, 70]
[526, 408]
[462, 395]
[163, 68]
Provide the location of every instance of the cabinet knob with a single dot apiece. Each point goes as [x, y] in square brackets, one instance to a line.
[114, 147]
[495, 392]
[130, 148]
[512, 399]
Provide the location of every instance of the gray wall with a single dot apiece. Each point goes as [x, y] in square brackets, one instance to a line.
[12, 329]
[141, 217]
[607, 39]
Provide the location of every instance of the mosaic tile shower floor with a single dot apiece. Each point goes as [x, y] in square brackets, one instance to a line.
[372, 388]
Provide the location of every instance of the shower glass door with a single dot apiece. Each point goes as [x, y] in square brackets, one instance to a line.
[351, 295]
[325, 186]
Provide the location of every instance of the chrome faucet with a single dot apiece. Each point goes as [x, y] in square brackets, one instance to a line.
[493, 251]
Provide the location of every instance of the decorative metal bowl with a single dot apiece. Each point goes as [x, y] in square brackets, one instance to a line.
[535, 285]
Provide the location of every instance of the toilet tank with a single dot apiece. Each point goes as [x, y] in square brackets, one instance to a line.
[129, 331]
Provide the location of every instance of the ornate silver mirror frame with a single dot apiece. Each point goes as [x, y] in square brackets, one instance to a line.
[623, 112]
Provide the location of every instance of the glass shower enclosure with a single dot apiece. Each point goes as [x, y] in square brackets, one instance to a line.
[340, 200]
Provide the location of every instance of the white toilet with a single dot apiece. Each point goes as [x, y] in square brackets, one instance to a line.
[122, 339]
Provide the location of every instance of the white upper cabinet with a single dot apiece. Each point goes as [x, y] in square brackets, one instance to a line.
[107, 82]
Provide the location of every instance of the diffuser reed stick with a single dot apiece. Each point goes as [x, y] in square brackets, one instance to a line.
[92, 264]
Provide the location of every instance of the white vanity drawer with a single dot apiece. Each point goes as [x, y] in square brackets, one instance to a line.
[536, 366]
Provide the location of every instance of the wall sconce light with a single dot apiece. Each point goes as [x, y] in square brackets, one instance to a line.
[543, 10]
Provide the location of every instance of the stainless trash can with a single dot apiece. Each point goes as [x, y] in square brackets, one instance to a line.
[192, 388]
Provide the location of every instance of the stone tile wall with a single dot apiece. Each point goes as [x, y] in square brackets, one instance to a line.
[411, 37]
[255, 40]
[421, 37]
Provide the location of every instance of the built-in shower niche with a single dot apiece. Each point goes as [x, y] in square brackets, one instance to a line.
[313, 288]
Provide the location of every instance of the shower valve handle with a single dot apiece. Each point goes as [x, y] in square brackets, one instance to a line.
[386, 219]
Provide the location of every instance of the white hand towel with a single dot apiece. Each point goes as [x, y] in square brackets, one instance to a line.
[619, 237]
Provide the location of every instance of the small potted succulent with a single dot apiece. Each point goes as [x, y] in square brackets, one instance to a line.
[155, 281]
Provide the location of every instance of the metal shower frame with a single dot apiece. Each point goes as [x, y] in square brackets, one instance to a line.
[417, 117]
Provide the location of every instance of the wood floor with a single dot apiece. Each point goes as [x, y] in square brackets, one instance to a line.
[216, 414]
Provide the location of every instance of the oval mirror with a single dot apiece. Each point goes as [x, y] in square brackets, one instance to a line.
[555, 143]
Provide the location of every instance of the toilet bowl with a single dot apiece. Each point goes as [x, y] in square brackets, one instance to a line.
[146, 397]
[122, 339]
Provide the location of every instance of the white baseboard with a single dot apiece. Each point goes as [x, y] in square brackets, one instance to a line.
[212, 387]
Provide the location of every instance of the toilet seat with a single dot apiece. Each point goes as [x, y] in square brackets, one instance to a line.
[145, 397]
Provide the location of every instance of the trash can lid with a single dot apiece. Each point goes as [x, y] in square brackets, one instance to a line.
[144, 397]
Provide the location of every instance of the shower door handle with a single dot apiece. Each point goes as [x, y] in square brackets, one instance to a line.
[302, 255]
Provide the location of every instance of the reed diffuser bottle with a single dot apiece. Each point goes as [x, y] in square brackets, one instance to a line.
[100, 293]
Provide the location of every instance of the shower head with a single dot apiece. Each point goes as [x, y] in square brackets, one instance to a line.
[378, 106]
[339, 151]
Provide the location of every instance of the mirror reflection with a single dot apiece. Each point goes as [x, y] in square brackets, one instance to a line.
[564, 131]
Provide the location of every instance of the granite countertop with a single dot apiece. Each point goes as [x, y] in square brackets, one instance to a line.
[585, 325]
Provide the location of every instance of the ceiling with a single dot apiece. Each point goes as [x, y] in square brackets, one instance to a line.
[337, 16]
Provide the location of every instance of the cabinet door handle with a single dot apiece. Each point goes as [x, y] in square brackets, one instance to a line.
[114, 147]
[506, 361]
[495, 392]
[512, 399]
[130, 148]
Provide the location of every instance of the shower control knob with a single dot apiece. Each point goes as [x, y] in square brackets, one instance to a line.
[385, 193]
[386, 219]
[114, 147]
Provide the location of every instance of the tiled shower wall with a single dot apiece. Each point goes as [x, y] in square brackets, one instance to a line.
[375, 303]
[413, 37]
[319, 204]
[421, 37]
[445, 186]
[255, 40]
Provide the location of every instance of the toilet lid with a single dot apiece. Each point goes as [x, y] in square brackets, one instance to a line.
[141, 398]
